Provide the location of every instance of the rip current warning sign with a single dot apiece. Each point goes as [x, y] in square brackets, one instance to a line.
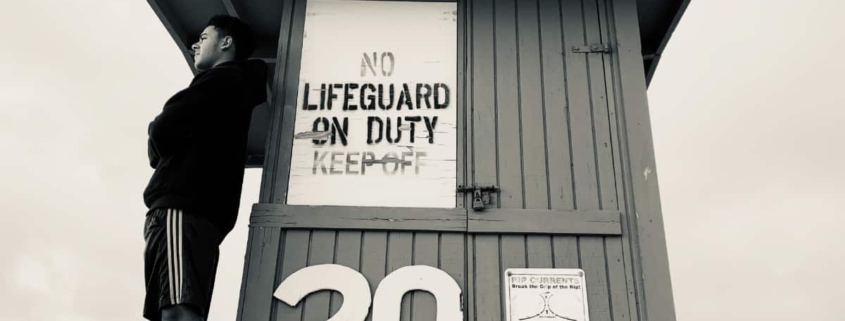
[376, 108]
[546, 295]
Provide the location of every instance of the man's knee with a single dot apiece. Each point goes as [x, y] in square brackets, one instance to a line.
[180, 312]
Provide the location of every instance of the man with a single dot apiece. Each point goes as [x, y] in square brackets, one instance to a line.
[197, 146]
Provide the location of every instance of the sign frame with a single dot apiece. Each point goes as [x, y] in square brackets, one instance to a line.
[570, 278]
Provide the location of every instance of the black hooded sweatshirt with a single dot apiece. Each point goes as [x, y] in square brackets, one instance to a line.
[197, 144]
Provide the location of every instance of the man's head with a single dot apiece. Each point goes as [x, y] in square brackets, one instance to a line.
[225, 38]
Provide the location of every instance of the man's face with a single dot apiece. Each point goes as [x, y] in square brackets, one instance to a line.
[208, 51]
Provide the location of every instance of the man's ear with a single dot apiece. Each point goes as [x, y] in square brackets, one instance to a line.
[226, 42]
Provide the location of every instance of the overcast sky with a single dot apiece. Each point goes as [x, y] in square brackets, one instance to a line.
[746, 111]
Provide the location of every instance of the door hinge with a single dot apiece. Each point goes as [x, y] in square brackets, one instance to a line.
[596, 47]
[480, 195]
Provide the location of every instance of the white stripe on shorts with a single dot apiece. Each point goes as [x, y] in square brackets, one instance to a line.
[174, 254]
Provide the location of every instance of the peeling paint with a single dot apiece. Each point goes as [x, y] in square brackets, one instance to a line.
[646, 172]
[312, 135]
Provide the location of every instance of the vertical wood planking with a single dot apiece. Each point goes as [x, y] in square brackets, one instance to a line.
[531, 85]
[425, 253]
[469, 97]
[508, 131]
[259, 294]
[564, 248]
[295, 257]
[487, 278]
[287, 106]
[652, 267]
[452, 259]
[539, 251]
[623, 244]
[484, 270]
[598, 100]
[566, 254]
[321, 251]
[483, 94]
[591, 248]
[620, 279]
[470, 290]
[509, 113]
[347, 253]
[533, 138]
[580, 120]
[276, 104]
[400, 252]
[462, 144]
[373, 259]
[596, 33]
[556, 106]
[247, 260]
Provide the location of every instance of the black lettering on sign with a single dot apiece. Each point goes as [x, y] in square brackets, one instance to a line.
[370, 121]
[348, 96]
[370, 104]
[350, 162]
[322, 96]
[381, 97]
[429, 124]
[316, 128]
[425, 96]
[398, 131]
[413, 120]
[387, 73]
[437, 96]
[404, 98]
[305, 104]
[390, 157]
[338, 162]
[340, 130]
[332, 95]
[319, 158]
[369, 64]
[368, 159]
[417, 161]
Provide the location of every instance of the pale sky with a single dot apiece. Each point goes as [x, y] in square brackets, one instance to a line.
[744, 114]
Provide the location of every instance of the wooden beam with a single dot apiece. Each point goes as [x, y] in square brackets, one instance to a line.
[357, 218]
[594, 222]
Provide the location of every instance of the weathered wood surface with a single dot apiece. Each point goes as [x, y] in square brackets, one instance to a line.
[595, 222]
[363, 218]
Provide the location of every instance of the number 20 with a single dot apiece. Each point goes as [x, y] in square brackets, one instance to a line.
[387, 301]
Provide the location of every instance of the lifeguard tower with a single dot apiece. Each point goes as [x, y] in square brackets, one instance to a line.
[471, 160]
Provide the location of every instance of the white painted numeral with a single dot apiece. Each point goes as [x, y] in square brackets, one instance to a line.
[388, 299]
[387, 302]
[351, 285]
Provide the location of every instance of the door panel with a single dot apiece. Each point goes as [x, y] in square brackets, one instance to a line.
[544, 134]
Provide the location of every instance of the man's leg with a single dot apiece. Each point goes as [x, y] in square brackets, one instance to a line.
[181, 262]
[180, 312]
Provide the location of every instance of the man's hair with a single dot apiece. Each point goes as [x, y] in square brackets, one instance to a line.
[240, 32]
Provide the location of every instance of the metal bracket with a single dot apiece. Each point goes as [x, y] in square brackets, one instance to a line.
[594, 48]
[480, 195]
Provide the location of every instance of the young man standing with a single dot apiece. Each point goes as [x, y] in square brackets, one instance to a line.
[197, 146]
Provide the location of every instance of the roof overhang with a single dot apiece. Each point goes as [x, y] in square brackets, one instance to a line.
[185, 20]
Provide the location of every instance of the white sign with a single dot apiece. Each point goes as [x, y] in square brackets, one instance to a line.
[376, 112]
[546, 294]
[387, 303]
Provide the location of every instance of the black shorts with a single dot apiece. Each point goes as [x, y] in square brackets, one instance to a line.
[180, 261]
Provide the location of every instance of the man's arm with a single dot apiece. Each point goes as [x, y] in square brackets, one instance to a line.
[152, 152]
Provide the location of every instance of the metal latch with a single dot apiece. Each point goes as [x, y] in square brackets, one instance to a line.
[596, 47]
[480, 195]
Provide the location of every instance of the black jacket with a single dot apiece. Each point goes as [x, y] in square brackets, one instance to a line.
[197, 144]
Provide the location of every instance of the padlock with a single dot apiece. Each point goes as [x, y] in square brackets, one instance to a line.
[477, 202]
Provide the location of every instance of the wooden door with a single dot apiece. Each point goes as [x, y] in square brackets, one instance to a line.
[543, 131]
